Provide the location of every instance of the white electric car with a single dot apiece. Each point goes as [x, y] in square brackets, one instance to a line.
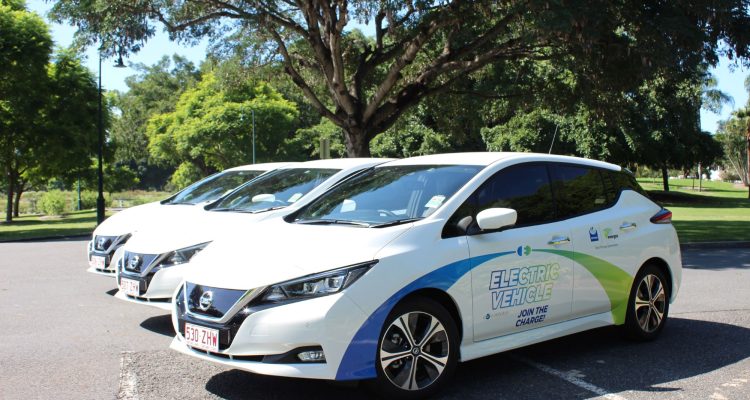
[156, 258]
[402, 271]
[104, 249]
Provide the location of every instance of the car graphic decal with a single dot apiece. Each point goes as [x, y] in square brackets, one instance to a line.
[615, 282]
[358, 361]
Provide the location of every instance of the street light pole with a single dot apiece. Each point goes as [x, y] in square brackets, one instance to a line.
[100, 171]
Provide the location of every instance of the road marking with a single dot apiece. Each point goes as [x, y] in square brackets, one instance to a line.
[128, 389]
[572, 377]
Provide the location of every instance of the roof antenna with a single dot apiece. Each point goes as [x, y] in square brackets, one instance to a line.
[553, 139]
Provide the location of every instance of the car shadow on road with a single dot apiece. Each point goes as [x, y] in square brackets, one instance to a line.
[601, 357]
[161, 324]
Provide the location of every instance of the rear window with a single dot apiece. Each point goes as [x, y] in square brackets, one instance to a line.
[623, 180]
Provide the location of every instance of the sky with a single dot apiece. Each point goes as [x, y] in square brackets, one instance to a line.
[730, 80]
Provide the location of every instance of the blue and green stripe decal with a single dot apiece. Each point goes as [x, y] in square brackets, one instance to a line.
[359, 359]
[614, 280]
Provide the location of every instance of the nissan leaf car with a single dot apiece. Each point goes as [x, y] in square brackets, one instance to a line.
[104, 249]
[156, 258]
[400, 273]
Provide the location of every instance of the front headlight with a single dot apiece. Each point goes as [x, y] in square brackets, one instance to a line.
[181, 256]
[322, 284]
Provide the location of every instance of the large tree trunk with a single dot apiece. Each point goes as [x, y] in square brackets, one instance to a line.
[665, 178]
[748, 160]
[16, 203]
[357, 143]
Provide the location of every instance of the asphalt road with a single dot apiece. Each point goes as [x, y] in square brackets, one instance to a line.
[63, 336]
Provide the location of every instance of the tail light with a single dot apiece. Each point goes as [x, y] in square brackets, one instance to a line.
[664, 216]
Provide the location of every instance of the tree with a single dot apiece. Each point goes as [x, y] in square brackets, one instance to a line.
[744, 115]
[732, 136]
[153, 90]
[25, 48]
[211, 128]
[422, 48]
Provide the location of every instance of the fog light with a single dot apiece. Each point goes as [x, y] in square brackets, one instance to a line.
[312, 356]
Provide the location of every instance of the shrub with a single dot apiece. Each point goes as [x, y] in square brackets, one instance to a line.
[53, 202]
[88, 199]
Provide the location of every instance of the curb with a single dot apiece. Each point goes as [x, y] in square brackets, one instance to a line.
[715, 245]
[48, 238]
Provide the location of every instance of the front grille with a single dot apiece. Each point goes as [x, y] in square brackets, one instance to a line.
[102, 243]
[137, 262]
[227, 331]
[211, 302]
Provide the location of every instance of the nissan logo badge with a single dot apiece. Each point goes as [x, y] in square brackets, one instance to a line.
[134, 262]
[206, 300]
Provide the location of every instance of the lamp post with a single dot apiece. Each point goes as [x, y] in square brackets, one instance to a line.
[100, 152]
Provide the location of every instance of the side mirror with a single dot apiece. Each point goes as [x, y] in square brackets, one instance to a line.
[496, 218]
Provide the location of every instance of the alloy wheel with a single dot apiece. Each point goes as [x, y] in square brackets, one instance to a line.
[650, 303]
[414, 351]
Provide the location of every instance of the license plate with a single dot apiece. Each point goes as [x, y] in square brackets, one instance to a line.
[202, 338]
[130, 287]
[99, 262]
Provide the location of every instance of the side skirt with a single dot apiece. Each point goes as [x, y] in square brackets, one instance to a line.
[525, 338]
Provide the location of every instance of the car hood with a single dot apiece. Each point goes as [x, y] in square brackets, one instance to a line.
[133, 218]
[189, 229]
[275, 251]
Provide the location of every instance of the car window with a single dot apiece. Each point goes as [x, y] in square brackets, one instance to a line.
[388, 195]
[213, 187]
[578, 190]
[624, 180]
[524, 188]
[275, 190]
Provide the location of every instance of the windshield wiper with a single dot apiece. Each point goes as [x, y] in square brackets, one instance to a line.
[333, 222]
[170, 203]
[396, 222]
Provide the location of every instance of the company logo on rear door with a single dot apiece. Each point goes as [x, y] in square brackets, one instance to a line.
[593, 234]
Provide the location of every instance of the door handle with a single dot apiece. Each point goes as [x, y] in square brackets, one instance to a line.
[627, 226]
[559, 240]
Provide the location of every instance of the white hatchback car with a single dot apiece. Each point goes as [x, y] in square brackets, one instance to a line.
[401, 272]
[156, 258]
[105, 247]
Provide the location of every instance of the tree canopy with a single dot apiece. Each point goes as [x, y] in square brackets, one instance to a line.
[211, 128]
[422, 48]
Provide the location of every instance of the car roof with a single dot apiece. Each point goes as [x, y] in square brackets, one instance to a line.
[341, 163]
[488, 158]
[261, 166]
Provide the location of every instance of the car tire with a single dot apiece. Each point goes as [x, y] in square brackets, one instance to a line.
[417, 329]
[648, 305]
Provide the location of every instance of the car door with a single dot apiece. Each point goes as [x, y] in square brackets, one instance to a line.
[517, 283]
[603, 235]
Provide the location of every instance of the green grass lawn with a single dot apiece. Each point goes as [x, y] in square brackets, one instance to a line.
[721, 212]
[27, 226]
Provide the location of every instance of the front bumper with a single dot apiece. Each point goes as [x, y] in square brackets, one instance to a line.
[108, 255]
[265, 336]
[156, 288]
[110, 263]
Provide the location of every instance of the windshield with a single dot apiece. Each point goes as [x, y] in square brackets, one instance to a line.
[275, 190]
[213, 187]
[389, 195]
